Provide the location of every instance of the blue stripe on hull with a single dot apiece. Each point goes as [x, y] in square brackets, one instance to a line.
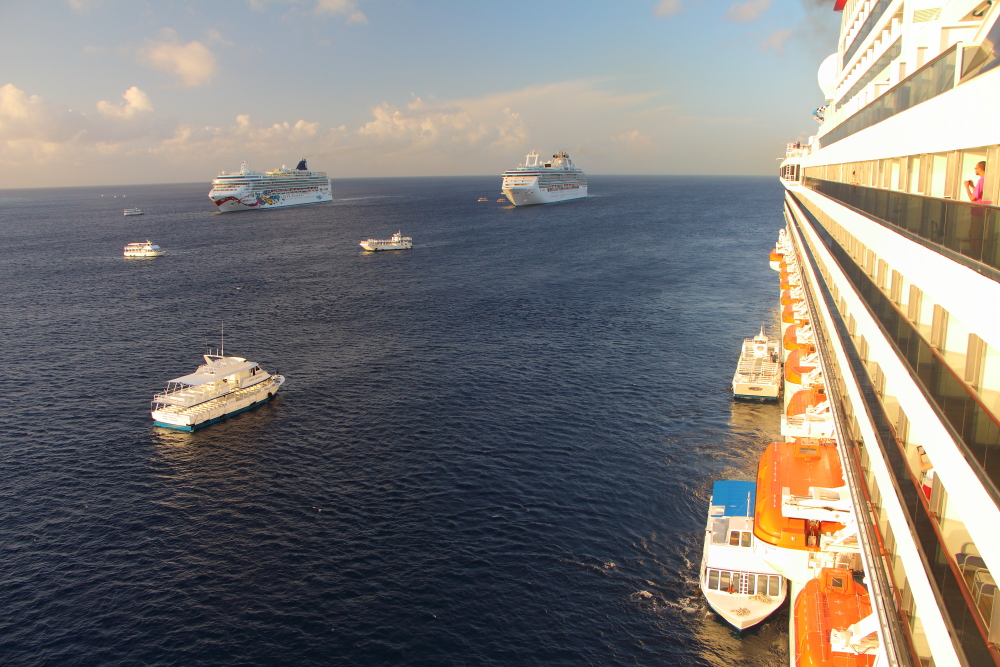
[177, 427]
[756, 397]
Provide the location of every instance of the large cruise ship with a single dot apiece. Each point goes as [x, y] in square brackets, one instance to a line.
[546, 182]
[887, 520]
[250, 190]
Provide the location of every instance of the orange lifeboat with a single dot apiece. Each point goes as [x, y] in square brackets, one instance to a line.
[790, 341]
[788, 315]
[795, 368]
[787, 298]
[805, 398]
[776, 256]
[833, 601]
[789, 280]
[796, 467]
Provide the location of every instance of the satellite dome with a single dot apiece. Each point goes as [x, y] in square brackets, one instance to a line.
[827, 76]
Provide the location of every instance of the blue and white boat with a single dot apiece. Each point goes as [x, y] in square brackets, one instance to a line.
[737, 583]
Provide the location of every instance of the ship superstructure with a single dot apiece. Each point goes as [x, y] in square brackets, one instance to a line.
[538, 182]
[250, 190]
[890, 260]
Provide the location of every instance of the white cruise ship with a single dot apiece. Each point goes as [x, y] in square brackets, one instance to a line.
[221, 387]
[546, 182]
[250, 190]
[884, 512]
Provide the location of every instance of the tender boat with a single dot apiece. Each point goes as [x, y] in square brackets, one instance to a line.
[737, 583]
[758, 372]
[397, 242]
[502, 200]
[133, 211]
[482, 199]
[221, 387]
[144, 249]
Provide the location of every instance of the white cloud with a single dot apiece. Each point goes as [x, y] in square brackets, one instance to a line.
[669, 7]
[634, 141]
[83, 6]
[777, 40]
[192, 64]
[747, 12]
[136, 102]
[345, 8]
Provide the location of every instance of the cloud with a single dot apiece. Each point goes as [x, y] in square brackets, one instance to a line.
[634, 141]
[668, 7]
[777, 40]
[345, 8]
[192, 64]
[746, 12]
[83, 6]
[136, 103]
[30, 119]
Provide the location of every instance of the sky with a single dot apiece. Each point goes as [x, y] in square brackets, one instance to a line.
[104, 92]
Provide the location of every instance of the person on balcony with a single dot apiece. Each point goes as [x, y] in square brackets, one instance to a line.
[976, 194]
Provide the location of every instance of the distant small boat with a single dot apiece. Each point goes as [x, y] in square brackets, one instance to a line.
[143, 249]
[397, 242]
[502, 200]
[483, 199]
[133, 211]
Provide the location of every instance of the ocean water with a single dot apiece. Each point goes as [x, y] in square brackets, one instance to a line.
[494, 449]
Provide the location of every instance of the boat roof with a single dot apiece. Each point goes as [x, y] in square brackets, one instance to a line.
[732, 497]
[216, 371]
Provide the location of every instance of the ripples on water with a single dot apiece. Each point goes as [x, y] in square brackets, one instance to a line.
[496, 448]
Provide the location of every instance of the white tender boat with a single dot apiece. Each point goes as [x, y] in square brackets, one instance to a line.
[144, 249]
[758, 373]
[133, 211]
[397, 242]
[221, 387]
[737, 583]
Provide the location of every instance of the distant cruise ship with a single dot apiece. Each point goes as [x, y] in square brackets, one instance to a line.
[249, 190]
[552, 181]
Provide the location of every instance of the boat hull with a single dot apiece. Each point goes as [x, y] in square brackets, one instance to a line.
[371, 247]
[532, 195]
[231, 203]
[215, 410]
[756, 392]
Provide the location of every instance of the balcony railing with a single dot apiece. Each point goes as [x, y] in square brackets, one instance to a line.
[934, 78]
[878, 9]
[945, 391]
[971, 230]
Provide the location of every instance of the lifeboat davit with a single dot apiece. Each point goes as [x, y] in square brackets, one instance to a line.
[796, 469]
[776, 256]
[805, 398]
[790, 279]
[796, 366]
[834, 603]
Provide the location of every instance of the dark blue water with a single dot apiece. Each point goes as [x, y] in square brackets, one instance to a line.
[494, 449]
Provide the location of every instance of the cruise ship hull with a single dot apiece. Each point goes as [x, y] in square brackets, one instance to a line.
[229, 203]
[530, 196]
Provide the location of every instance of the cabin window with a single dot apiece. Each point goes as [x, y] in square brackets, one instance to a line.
[713, 579]
[745, 539]
[724, 580]
[774, 586]
[734, 538]
[762, 583]
[808, 451]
